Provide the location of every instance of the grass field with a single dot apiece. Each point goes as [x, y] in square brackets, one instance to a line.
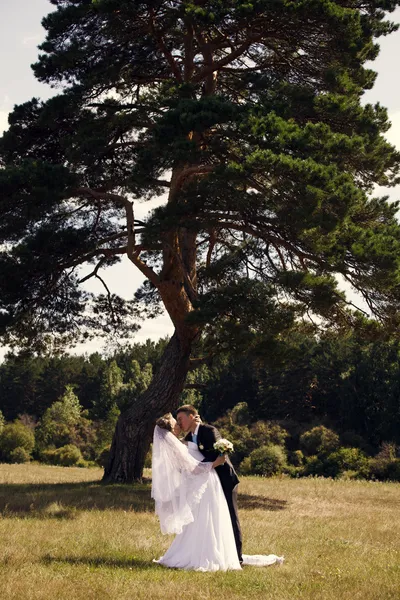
[65, 536]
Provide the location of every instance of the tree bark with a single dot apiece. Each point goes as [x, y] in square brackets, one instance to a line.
[135, 426]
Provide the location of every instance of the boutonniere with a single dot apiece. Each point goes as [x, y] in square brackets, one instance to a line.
[201, 447]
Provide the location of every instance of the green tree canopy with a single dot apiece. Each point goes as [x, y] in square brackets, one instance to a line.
[249, 116]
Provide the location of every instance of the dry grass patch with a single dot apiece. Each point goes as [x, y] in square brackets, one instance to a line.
[63, 535]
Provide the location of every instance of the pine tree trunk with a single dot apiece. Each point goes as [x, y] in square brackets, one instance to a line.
[135, 426]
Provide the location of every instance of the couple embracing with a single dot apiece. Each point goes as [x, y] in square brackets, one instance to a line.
[195, 493]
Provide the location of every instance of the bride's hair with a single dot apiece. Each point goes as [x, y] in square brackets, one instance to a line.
[165, 422]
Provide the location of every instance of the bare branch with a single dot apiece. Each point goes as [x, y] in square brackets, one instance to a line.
[108, 297]
[94, 272]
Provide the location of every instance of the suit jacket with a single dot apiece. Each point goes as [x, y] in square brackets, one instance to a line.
[207, 435]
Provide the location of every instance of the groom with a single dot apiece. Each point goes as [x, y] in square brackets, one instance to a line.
[205, 436]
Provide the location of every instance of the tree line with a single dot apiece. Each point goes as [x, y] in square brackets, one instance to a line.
[346, 384]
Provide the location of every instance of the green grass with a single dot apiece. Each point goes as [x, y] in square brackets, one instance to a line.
[65, 536]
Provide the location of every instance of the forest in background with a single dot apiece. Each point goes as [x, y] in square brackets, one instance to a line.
[310, 405]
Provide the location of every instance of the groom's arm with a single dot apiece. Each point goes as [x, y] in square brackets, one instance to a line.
[211, 435]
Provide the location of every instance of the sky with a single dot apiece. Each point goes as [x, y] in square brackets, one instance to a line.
[20, 34]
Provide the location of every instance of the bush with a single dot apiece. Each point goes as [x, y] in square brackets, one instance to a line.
[19, 455]
[267, 460]
[66, 456]
[393, 470]
[293, 471]
[383, 465]
[346, 459]
[319, 440]
[15, 435]
[239, 414]
[296, 458]
[314, 466]
[245, 466]
[58, 424]
[103, 456]
[247, 438]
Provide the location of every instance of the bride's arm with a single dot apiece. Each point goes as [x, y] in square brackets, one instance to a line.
[207, 466]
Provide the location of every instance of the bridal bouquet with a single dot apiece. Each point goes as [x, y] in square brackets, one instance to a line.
[223, 446]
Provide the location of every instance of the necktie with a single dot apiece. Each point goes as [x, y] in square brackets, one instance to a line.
[194, 438]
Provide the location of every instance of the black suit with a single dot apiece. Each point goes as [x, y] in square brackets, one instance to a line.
[207, 435]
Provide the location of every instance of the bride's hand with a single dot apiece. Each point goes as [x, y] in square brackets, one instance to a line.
[220, 460]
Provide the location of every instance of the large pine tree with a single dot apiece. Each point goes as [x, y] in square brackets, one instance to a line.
[248, 114]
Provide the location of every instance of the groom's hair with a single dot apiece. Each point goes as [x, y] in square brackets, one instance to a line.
[188, 409]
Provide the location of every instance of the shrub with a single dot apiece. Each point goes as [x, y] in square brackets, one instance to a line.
[247, 438]
[314, 466]
[319, 440]
[239, 414]
[346, 459]
[103, 456]
[268, 433]
[66, 456]
[381, 465]
[19, 455]
[393, 470]
[267, 460]
[245, 466]
[15, 435]
[296, 458]
[59, 421]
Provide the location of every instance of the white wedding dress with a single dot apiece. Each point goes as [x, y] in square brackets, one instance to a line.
[204, 540]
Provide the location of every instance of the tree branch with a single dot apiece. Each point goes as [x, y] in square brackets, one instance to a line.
[94, 272]
[190, 172]
[226, 60]
[162, 46]
[208, 60]
[133, 251]
[188, 65]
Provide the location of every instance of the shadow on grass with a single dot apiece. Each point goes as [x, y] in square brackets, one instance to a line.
[248, 502]
[101, 561]
[65, 500]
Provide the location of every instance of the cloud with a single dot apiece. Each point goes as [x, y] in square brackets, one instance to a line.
[31, 40]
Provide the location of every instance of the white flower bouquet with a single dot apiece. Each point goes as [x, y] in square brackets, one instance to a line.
[223, 446]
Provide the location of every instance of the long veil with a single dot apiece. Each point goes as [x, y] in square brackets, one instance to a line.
[178, 481]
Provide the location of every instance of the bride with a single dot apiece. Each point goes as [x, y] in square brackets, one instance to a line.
[190, 503]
